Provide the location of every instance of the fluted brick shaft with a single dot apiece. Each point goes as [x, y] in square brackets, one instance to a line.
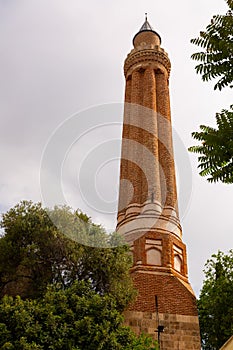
[147, 132]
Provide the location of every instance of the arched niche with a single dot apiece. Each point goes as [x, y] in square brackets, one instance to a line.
[153, 257]
[177, 263]
[158, 71]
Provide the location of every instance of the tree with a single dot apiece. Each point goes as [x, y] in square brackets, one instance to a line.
[59, 293]
[76, 318]
[216, 151]
[217, 40]
[34, 252]
[215, 304]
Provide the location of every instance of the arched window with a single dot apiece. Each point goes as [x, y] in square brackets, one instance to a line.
[177, 263]
[153, 257]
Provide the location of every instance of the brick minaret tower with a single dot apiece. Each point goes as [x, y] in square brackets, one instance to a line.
[148, 211]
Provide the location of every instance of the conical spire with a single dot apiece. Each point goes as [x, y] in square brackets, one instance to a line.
[146, 27]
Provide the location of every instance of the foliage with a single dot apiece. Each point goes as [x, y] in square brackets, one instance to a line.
[216, 150]
[59, 293]
[76, 318]
[217, 42]
[215, 304]
[34, 253]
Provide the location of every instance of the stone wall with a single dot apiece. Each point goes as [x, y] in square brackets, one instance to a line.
[181, 332]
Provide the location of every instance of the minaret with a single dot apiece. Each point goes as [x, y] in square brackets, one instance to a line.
[148, 212]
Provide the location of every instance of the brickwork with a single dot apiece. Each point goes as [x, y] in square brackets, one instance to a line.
[148, 210]
[173, 295]
[147, 70]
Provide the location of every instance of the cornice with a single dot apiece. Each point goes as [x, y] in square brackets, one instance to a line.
[145, 56]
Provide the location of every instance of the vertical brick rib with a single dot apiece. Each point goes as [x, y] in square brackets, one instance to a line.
[150, 124]
[167, 175]
[134, 134]
[123, 191]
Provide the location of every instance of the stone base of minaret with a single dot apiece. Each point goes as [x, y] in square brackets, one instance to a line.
[181, 332]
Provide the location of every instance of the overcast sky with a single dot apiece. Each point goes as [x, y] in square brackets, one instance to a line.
[61, 58]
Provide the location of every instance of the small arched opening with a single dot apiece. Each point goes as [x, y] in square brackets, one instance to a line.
[153, 257]
[177, 263]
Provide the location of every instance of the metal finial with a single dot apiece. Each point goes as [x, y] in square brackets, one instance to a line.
[146, 15]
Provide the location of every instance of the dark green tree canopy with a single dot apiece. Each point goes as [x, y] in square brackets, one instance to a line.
[216, 149]
[58, 293]
[76, 318]
[217, 57]
[35, 253]
[215, 304]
